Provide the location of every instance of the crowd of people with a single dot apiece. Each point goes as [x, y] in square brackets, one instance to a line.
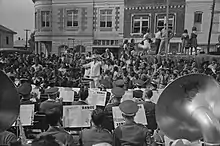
[132, 69]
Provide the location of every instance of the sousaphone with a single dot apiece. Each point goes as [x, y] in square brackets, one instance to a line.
[9, 102]
[189, 108]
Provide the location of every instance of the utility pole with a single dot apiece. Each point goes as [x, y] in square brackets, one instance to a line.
[167, 30]
[211, 24]
[26, 31]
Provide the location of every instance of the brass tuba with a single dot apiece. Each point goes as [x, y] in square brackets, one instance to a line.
[189, 108]
[9, 102]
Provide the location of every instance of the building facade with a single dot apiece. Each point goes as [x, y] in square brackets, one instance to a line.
[198, 14]
[141, 15]
[6, 37]
[85, 24]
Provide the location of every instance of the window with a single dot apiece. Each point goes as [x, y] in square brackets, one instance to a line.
[106, 18]
[198, 21]
[72, 18]
[216, 22]
[7, 40]
[35, 17]
[45, 18]
[161, 21]
[140, 24]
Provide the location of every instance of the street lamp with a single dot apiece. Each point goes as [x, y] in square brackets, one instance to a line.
[167, 31]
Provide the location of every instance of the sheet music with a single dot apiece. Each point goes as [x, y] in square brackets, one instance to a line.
[139, 118]
[26, 114]
[77, 115]
[67, 94]
[97, 97]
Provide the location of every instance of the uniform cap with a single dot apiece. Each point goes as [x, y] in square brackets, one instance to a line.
[129, 108]
[51, 91]
[105, 83]
[25, 89]
[138, 93]
[119, 83]
[118, 92]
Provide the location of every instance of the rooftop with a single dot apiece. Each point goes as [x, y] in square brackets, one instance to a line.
[3, 28]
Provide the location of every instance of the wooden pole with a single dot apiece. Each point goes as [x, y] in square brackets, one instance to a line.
[167, 30]
[211, 24]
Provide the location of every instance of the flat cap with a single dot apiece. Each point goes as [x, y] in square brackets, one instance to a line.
[129, 108]
[118, 92]
[51, 91]
[105, 83]
[25, 89]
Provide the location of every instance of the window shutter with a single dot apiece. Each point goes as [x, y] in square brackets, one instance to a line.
[61, 18]
[95, 19]
[84, 19]
[38, 20]
[117, 18]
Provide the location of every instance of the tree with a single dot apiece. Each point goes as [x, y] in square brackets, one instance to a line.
[31, 42]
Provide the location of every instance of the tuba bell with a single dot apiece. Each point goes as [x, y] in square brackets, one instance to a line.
[9, 102]
[189, 108]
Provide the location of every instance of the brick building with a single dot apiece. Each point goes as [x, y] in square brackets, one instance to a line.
[198, 14]
[6, 37]
[92, 24]
[141, 15]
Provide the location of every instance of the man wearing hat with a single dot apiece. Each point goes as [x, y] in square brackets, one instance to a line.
[149, 107]
[52, 101]
[138, 93]
[130, 133]
[116, 100]
[24, 90]
[119, 83]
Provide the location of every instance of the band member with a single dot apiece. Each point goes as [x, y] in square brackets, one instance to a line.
[119, 83]
[130, 133]
[25, 93]
[149, 107]
[96, 134]
[45, 141]
[6, 138]
[53, 118]
[95, 71]
[138, 93]
[52, 101]
[83, 95]
[115, 101]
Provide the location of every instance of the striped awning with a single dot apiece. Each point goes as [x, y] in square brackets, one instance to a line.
[154, 7]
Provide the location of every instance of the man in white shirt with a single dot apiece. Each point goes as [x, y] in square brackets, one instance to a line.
[95, 71]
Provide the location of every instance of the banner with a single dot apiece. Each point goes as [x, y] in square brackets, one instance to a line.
[26, 114]
[97, 97]
[67, 94]
[77, 115]
[139, 118]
